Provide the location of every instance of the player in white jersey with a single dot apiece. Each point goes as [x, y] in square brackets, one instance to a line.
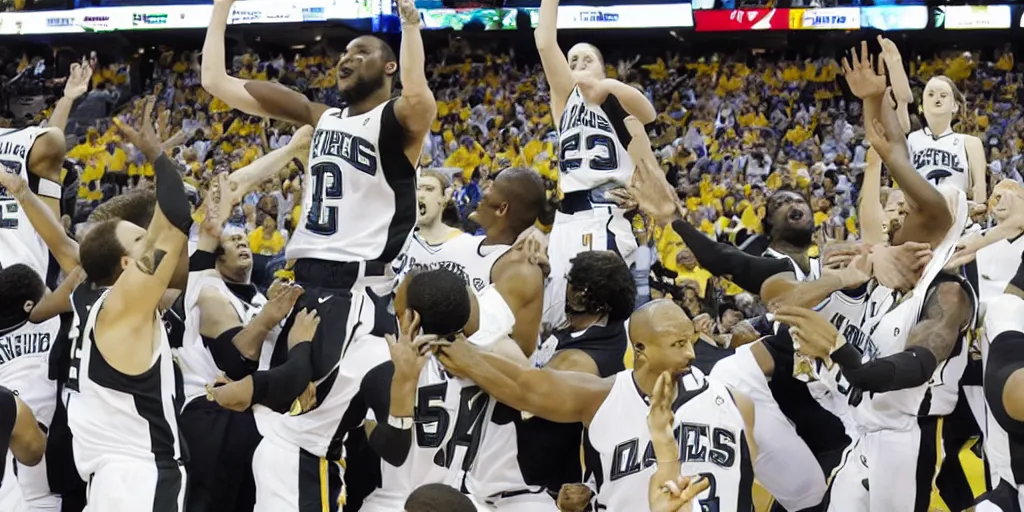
[942, 155]
[359, 209]
[433, 194]
[20, 434]
[123, 391]
[614, 409]
[592, 140]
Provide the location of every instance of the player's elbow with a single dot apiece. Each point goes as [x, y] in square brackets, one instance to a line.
[34, 449]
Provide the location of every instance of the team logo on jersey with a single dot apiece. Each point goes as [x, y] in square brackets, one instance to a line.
[579, 115]
[451, 266]
[20, 344]
[358, 152]
[11, 148]
[697, 443]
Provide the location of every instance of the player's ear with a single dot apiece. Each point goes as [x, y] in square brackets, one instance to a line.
[390, 68]
[29, 306]
[638, 347]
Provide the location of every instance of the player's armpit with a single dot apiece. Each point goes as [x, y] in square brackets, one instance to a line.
[946, 311]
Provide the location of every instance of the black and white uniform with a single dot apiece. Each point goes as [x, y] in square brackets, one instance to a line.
[941, 159]
[450, 420]
[11, 499]
[794, 427]
[463, 254]
[359, 209]
[126, 440]
[592, 158]
[24, 367]
[897, 430]
[1004, 436]
[19, 242]
[709, 429]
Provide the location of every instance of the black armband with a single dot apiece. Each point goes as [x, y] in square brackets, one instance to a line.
[910, 368]
[1005, 356]
[1018, 278]
[235, 365]
[279, 387]
[170, 194]
[392, 444]
[201, 260]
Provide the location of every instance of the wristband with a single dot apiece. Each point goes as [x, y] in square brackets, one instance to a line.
[49, 188]
[404, 423]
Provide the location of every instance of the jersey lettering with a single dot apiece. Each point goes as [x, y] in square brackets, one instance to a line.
[20, 344]
[410, 263]
[9, 148]
[468, 427]
[8, 205]
[326, 183]
[935, 157]
[859, 339]
[358, 152]
[697, 443]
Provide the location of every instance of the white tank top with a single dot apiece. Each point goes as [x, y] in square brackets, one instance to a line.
[888, 319]
[359, 202]
[451, 418]
[941, 159]
[197, 365]
[19, 242]
[24, 365]
[708, 427]
[464, 254]
[997, 264]
[114, 416]
[590, 148]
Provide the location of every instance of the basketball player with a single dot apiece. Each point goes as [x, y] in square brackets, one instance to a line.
[123, 403]
[1004, 426]
[589, 109]
[715, 423]
[19, 433]
[438, 498]
[508, 208]
[362, 159]
[911, 334]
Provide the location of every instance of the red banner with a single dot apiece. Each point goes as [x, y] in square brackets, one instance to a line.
[740, 20]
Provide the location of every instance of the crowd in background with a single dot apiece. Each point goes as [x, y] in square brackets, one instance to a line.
[731, 129]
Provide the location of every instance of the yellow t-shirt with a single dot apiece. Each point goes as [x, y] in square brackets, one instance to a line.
[266, 246]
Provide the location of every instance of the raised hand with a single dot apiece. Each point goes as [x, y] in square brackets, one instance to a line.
[676, 495]
[649, 188]
[812, 333]
[145, 138]
[890, 53]
[410, 350]
[661, 418]
[862, 77]
[408, 13]
[78, 80]
[218, 206]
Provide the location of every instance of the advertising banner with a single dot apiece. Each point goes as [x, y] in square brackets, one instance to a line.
[839, 18]
[623, 16]
[973, 17]
[722, 20]
[894, 17]
[457, 19]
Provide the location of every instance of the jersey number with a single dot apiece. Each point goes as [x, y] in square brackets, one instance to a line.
[709, 504]
[326, 183]
[570, 155]
[430, 411]
[75, 334]
[8, 214]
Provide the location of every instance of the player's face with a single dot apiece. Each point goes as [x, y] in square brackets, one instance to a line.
[1006, 199]
[431, 198]
[237, 254]
[791, 216]
[361, 69]
[585, 63]
[491, 207]
[671, 346]
[132, 238]
[938, 98]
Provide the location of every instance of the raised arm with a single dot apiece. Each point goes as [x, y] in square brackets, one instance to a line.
[255, 97]
[415, 108]
[978, 165]
[76, 85]
[528, 389]
[242, 181]
[786, 290]
[870, 210]
[556, 67]
[902, 95]
[138, 290]
[63, 248]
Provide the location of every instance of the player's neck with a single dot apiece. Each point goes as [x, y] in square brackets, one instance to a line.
[369, 103]
[645, 380]
[939, 123]
[797, 254]
[579, 322]
[498, 236]
[436, 233]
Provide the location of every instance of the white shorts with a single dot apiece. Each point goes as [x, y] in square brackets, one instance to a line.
[541, 502]
[28, 377]
[887, 470]
[10, 492]
[135, 486]
[600, 229]
[779, 448]
[290, 479]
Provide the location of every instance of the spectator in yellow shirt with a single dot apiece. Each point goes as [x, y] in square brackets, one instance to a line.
[267, 239]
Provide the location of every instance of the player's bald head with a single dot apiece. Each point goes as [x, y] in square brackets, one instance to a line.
[523, 189]
[657, 318]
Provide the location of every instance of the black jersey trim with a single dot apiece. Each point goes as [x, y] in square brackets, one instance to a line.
[8, 417]
[927, 461]
[400, 175]
[319, 483]
[168, 490]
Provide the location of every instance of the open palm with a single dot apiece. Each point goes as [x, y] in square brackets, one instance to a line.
[862, 77]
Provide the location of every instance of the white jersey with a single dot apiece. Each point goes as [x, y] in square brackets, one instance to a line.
[359, 202]
[996, 265]
[24, 366]
[709, 429]
[198, 367]
[591, 151]
[450, 420]
[888, 319]
[19, 242]
[813, 263]
[941, 159]
[116, 417]
[464, 254]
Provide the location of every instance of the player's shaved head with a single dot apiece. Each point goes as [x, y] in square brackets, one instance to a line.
[662, 336]
[523, 188]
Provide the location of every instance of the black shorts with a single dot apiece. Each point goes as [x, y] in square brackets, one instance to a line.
[220, 443]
